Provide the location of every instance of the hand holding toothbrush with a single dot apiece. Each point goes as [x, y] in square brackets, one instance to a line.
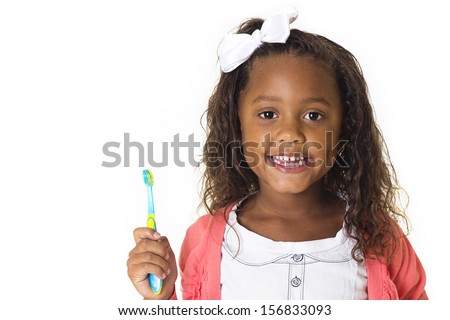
[152, 255]
[152, 259]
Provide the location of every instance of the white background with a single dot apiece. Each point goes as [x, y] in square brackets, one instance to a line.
[77, 74]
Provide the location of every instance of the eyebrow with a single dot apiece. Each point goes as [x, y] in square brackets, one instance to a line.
[267, 98]
[320, 100]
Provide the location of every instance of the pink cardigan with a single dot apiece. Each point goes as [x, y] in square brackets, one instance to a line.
[200, 258]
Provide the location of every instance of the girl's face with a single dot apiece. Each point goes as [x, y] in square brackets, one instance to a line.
[290, 113]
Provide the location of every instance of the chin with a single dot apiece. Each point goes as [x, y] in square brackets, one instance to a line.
[289, 188]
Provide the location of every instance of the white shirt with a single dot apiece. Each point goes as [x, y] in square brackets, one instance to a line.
[258, 268]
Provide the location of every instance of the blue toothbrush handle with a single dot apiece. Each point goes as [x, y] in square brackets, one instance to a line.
[155, 283]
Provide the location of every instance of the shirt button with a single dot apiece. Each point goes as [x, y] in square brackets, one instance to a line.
[297, 257]
[295, 282]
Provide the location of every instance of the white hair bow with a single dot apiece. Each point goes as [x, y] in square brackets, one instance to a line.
[235, 49]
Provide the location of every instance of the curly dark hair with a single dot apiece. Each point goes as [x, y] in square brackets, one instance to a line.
[369, 184]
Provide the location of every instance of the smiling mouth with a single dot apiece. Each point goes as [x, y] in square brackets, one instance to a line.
[293, 161]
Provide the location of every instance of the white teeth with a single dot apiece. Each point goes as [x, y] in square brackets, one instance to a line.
[288, 162]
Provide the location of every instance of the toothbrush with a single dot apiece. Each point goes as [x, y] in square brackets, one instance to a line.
[155, 283]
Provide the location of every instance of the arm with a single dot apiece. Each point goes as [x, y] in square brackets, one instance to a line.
[406, 271]
[190, 259]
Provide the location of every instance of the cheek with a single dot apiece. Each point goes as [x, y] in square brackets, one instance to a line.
[252, 137]
[323, 146]
[248, 132]
[253, 154]
[254, 149]
[250, 144]
[332, 144]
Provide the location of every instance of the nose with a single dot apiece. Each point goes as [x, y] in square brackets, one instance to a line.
[290, 130]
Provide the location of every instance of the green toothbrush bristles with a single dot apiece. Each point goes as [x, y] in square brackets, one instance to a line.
[148, 177]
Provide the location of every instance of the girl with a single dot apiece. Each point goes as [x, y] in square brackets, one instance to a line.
[300, 189]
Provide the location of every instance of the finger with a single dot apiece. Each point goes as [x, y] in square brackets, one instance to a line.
[150, 258]
[145, 233]
[160, 247]
[139, 272]
[170, 254]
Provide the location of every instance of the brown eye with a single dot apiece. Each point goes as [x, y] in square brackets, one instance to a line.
[313, 116]
[267, 115]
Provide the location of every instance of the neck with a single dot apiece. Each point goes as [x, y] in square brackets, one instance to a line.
[310, 215]
[308, 203]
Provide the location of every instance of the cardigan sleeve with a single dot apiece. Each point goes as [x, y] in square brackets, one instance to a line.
[406, 271]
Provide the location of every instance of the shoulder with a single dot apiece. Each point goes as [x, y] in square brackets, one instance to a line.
[195, 233]
[210, 222]
[405, 269]
[205, 223]
[400, 274]
[402, 253]
[199, 234]
[202, 223]
[199, 259]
